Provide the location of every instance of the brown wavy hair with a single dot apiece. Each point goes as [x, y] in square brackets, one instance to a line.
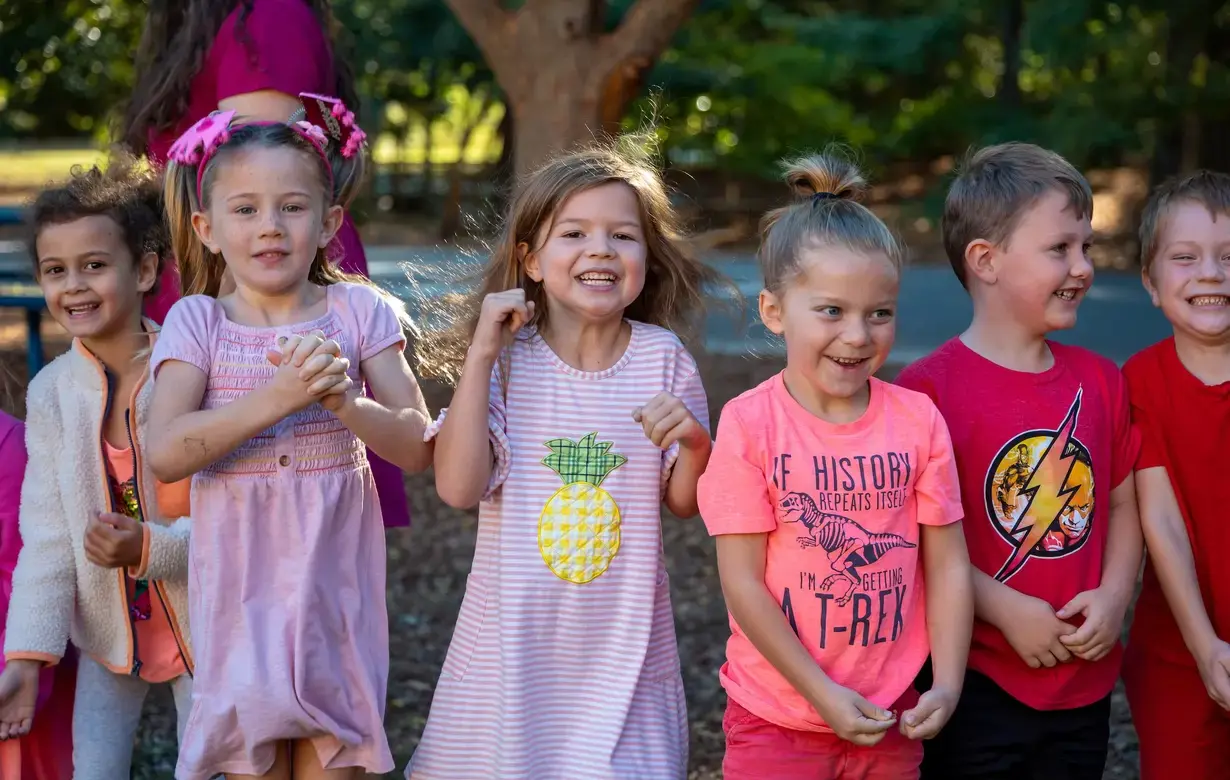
[174, 43]
[201, 270]
[675, 279]
[127, 192]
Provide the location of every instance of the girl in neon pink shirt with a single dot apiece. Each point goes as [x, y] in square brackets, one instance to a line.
[834, 497]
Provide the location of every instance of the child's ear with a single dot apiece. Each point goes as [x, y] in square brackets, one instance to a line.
[980, 256]
[1147, 281]
[529, 262]
[332, 223]
[771, 312]
[204, 231]
[147, 271]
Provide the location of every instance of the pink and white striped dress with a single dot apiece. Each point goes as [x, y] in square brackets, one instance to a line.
[547, 679]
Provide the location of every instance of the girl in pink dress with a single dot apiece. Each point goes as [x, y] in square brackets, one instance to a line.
[254, 57]
[46, 752]
[259, 395]
[577, 414]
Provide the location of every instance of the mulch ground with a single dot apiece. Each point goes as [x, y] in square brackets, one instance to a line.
[428, 564]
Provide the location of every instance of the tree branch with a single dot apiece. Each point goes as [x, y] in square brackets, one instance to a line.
[647, 29]
[485, 20]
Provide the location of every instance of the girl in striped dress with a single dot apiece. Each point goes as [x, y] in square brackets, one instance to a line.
[577, 413]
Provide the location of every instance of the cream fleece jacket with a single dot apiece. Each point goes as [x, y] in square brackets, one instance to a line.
[57, 593]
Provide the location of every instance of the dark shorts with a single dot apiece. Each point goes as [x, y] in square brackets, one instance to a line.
[992, 736]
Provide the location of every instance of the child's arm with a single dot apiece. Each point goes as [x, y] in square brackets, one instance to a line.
[392, 424]
[185, 439]
[1170, 550]
[741, 566]
[464, 458]
[1105, 606]
[1029, 624]
[950, 621]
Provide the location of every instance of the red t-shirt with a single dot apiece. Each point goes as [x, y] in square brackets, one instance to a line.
[281, 47]
[1184, 426]
[1035, 514]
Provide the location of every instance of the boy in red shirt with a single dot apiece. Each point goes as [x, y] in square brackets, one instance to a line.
[1177, 667]
[1044, 448]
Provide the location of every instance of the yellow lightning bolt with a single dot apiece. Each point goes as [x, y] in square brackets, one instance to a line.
[1047, 491]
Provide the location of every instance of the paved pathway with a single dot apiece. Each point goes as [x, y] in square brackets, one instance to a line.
[1116, 318]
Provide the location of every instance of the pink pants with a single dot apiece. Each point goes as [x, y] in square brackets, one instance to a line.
[759, 750]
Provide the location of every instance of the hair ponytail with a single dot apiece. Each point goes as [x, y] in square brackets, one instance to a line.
[200, 271]
[827, 210]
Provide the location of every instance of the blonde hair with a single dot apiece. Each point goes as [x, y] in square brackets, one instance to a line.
[1206, 188]
[996, 186]
[673, 296]
[200, 270]
[826, 212]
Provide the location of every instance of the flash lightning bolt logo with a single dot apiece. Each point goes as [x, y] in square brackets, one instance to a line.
[1047, 493]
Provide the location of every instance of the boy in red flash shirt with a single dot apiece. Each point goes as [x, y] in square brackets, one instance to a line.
[1044, 447]
[1177, 666]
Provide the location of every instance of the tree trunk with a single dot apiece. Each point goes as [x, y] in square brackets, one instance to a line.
[566, 79]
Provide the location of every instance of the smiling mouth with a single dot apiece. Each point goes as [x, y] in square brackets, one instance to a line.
[1068, 294]
[81, 310]
[272, 256]
[1209, 300]
[845, 362]
[598, 279]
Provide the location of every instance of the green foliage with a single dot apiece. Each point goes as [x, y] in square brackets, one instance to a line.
[747, 81]
[65, 65]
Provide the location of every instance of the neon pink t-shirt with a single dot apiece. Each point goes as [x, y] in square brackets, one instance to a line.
[841, 505]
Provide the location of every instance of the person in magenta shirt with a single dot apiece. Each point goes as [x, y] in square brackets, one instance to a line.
[46, 752]
[255, 57]
[835, 503]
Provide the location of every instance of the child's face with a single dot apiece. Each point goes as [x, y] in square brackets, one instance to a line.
[1040, 274]
[1188, 276]
[267, 218]
[591, 260]
[93, 286]
[838, 317]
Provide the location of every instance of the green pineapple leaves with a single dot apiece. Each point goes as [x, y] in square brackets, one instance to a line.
[587, 460]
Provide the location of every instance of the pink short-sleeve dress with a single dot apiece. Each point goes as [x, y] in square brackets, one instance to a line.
[279, 47]
[287, 568]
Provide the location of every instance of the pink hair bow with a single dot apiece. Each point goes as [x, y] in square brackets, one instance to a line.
[200, 140]
[330, 115]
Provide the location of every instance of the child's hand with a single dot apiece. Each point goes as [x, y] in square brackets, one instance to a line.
[113, 540]
[1034, 633]
[1103, 611]
[1215, 671]
[666, 420]
[933, 710]
[502, 315]
[852, 717]
[307, 370]
[18, 696]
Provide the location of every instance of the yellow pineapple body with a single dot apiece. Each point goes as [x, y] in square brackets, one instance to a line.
[578, 532]
[578, 529]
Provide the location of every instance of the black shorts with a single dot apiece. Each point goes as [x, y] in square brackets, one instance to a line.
[992, 736]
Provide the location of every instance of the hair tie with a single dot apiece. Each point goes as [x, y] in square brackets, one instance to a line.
[819, 196]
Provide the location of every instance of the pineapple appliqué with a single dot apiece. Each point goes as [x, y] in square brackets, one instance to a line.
[578, 530]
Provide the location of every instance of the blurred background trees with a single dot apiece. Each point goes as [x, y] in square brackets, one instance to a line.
[463, 93]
